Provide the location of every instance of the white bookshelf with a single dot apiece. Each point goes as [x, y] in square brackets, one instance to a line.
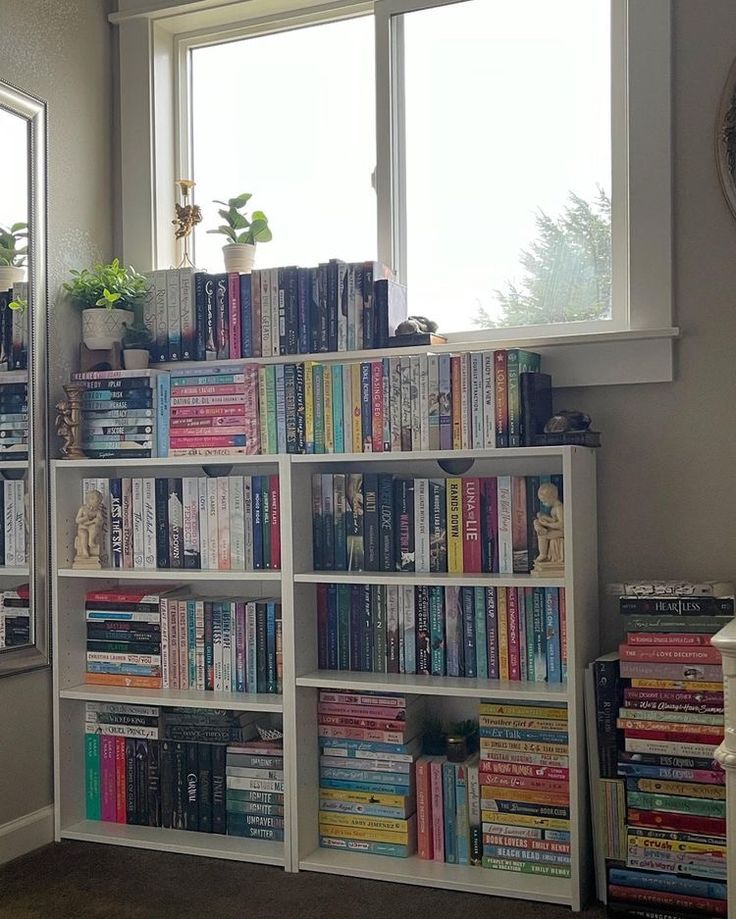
[450, 697]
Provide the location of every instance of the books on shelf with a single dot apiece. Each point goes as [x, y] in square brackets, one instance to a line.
[125, 413]
[382, 522]
[218, 523]
[14, 329]
[505, 633]
[255, 789]
[14, 529]
[13, 413]
[15, 617]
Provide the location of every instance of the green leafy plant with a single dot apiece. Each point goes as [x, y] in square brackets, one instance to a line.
[111, 286]
[237, 227]
[14, 245]
[136, 335]
[464, 728]
[20, 304]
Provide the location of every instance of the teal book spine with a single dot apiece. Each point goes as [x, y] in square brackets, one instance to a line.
[280, 409]
[273, 440]
[481, 642]
[92, 776]
[449, 805]
[462, 815]
[338, 412]
[163, 413]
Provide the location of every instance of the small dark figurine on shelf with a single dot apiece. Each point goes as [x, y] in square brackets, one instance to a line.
[416, 330]
[568, 426]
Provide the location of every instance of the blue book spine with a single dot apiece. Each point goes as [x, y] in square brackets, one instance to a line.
[367, 746]
[163, 413]
[436, 632]
[540, 641]
[360, 810]
[462, 817]
[556, 835]
[303, 309]
[116, 522]
[372, 787]
[668, 883]
[280, 409]
[363, 845]
[468, 602]
[130, 669]
[192, 641]
[552, 621]
[481, 639]
[270, 646]
[448, 786]
[337, 408]
[492, 632]
[246, 315]
[257, 491]
[332, 656]
[549, 737]
[366, 775]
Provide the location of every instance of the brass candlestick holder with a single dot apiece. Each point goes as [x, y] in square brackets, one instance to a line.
[69, 422]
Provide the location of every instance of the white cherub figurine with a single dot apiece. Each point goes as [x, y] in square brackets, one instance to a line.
[550, 530]
[90, 521]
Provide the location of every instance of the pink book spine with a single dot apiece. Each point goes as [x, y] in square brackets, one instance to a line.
[108, 810]
[240, 645]
[669, 639]
[173, 617]
[182, 645]
[210, 422]
[513, 628]
[437, 811]
[219, 389]
[184, 443]
[424, 809]
[187, 413]
[555, 773]
[120, 781]
[233, 295]
[363, 734]
[563, 635]
[360, 711]
[377, 404]
[701, 655]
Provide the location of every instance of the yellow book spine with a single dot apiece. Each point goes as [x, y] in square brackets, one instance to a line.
[454, 526]
[522, 794]
[361, 797]
[691, 789]
[263, 410]
[357, 431]
[677, 684]
[652, 844]
[545, 823]
[503, 633]
[522, 711]
[329, 420]
[534, 724]
[309, 406]
[354, 832]
[370, 823]
[522, 746]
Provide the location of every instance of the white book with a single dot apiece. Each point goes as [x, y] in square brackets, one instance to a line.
[414, 404]
[217, 649]
[251, 669]
[408, 614]
[187, 313]
[489, 401]
[173, 313]
[275, 321]
[202, 521]
[199, 647]
[139, 543]
[183, 629]
[423, 402]
[237, 523]
[394, 385]
[190, 503]
[149, 523]
[248, 518]
[223, 524]
[421, 525]
[212, 537]
[266, 332]
[9, 523]
[162, 315]
[123, 730]
[165, 649]
[95, 708]
[505, 545]
[476, 400]
[465, 410]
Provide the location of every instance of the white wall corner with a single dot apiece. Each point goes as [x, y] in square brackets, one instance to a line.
[26, 833]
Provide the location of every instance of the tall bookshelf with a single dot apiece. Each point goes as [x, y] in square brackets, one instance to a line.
[453, 698]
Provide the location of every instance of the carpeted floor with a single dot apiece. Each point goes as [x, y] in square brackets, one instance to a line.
[74, 880]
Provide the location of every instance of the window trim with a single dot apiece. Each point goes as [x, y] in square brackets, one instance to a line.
[157, 35]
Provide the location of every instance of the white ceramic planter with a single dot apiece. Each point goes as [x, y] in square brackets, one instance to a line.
[102, 328]
[10, 275]
[239, 257]
[136, 358]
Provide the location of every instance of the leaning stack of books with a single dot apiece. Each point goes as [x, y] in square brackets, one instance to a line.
[369, 744]
[507, 633]
[14, 414]
[255, 789]
[221, 645]
[15, 617]
[448, 810]
[124, 637]
[525, 796]
[214, 410]
[672, 721]
[13, 532]
[125, 413]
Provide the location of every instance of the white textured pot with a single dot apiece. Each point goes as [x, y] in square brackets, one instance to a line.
[239, 257]
[136, 358]
[10, 275]
[102, 328]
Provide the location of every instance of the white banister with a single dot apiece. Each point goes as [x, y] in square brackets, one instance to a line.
[725, 641]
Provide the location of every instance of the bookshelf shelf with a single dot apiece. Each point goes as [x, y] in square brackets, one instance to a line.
[506, 453]
[436, 580]
[207, 844]
[458, 687]
[234, 459]
[179, 575]
[13, 464]
[21, 572]
[191, 698]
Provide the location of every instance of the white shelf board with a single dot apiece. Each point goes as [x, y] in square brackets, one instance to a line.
[13, 464]
[21, 572]
[188, 843]
[180, 575]
[235, 459]
[190, 698]
[460, 687]
[413, 455]
[415, 870]
[432, 580]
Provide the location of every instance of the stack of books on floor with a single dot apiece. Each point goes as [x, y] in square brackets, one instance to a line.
[381, 522]
[255, 789]
[14, 328]
[14, 414]
[124, 636]
[219, 523]
[507, 633]
[213, 410]
[125, 413]
[369, 744]
[15, 617]
[525, 797]
[448, 810]
[14, 529]
[221, 645]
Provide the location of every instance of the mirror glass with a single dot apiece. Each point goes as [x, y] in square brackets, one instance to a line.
[23, 503]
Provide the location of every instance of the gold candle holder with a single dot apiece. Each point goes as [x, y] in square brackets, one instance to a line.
[69, 422]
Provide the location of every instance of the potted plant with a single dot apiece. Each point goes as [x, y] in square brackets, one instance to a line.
[242, 232]
[13, 252]
[434, 736]
[462, 740]
[136, 345]
[108, 296]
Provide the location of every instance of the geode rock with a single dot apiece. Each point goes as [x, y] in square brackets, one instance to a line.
[567, 420]
[414, 324]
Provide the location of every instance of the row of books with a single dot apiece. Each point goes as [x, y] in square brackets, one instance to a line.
[381, 522]
[14, 528]
[171, 769]
[124, 413]
[448, 810]
[220, 645]
[254, 800]
[14, 329]
[507, 633]
[369, 743]
[13, 412]
[219, 523]
[336, 306]
[524, 794]
[15, 617]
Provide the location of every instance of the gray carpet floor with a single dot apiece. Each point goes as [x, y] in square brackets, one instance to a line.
[72, 880]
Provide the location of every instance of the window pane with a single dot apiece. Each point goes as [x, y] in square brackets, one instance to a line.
[508, 162]
[290, 118]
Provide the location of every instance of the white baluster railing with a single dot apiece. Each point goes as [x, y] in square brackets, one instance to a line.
[725, 641]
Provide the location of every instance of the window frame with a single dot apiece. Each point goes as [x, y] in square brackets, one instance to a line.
[637, 340]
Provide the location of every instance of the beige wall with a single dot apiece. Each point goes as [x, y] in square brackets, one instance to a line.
[59, 51]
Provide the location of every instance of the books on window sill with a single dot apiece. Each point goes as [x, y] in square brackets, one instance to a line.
[382, 522]
[336, 306]
[222, 523]
[15, 617]
[505, 633]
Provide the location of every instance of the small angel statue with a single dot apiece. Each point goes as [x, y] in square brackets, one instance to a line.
[550, 530]
[188, 215]
[90, 522]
